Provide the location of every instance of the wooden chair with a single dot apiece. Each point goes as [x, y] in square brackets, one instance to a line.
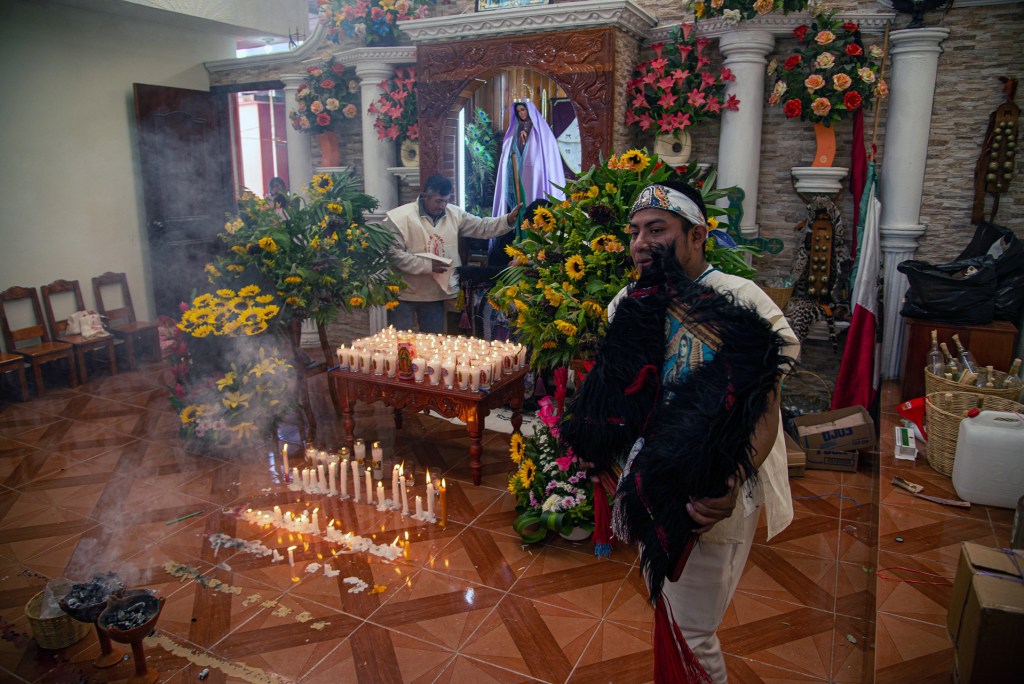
[35, 352]
[15, 363]
[122, 321]
[58, 327]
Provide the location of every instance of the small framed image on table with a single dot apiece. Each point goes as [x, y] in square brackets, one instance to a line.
[487, 5]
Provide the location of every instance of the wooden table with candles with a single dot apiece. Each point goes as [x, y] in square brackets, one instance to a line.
[468, 406]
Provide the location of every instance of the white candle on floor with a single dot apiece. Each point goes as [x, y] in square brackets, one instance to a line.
[321, 481]
[343, 476]
[369, 486]
[359, 450]
[419, 506]
[395, 474]
[380, 494]
[291, 556]
[332, 477]
[284, 458]
[355, 481]
[277, 515]
[405, 498]
[315, 523]
[430, 495]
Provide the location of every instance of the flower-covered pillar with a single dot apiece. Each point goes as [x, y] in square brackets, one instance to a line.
[739, 147]
[378, 155]
[300, 159]
[915, 57]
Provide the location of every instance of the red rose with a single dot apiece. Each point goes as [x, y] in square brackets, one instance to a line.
[850, 26]
[323, 119]
[791, 62]
[338, 68]
[793, 108]
[327, 84]
[852, 100]
[800, 31]
[854, 50]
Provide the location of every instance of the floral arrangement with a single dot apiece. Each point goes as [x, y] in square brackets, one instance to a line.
[372, 21]
[573, 257]
[397, 116]
[317, 253]
[239, 405]
[829, 75]
[551, 488]
[247, 311]
[678, 88]
[483, 148]
[734, 11]
[323, 97]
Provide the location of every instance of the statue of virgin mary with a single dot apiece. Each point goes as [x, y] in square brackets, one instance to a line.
[529, 159]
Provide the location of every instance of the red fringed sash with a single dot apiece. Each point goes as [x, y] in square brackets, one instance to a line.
[674, 662]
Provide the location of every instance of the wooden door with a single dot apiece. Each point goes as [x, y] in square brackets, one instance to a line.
[185, 156]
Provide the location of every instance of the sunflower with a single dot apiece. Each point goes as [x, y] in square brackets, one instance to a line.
[634, 160]
[553, 297]
[593, 191]
[391, 305]
[293, 279]
[356, 301]
[543, 219]
[515, 254]
[335, 208]
[393, 288]
[526, 473]
[249, 291]
[574, 267]
[592, 308]
[265, 299]
[322, 183]
[549, 345]
[188, 414]
[712, 223]
[267, 244]
[211, 270]
[235, 268]
[517, 448]
[566, 328]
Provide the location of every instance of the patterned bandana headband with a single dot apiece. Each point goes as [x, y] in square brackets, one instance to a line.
[661, 197]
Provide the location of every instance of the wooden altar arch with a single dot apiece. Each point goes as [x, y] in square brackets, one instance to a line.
[581, 62]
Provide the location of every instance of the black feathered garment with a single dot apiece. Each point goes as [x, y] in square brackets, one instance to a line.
[696, 433]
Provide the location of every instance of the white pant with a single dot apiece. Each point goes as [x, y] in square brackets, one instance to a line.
[698, 599]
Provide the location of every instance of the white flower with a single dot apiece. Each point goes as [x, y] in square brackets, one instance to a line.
[731, 16]
[552, 503]
[773, 66]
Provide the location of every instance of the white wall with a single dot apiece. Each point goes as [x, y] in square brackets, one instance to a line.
[70, 191]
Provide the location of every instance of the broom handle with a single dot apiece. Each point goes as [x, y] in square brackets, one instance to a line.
[878, 108]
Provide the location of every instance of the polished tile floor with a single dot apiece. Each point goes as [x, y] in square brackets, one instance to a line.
[90, 478]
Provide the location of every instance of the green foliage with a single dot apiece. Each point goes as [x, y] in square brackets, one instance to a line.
[483, 147]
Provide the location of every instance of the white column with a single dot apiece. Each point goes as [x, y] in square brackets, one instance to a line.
[300, 160]
[378, 155]
[915, 57]
[739, 144]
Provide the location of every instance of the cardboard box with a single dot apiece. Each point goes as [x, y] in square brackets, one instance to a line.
[846, 429]
[796, 460]
[822, 459]
[986, 616]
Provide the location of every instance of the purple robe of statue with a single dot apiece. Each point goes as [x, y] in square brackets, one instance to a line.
[540, 163]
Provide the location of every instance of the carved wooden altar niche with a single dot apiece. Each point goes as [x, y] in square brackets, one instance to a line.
[581, 62]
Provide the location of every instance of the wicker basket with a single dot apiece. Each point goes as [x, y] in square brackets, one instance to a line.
[934, 383]
[944, 411]
[779, 295]
[56, 632]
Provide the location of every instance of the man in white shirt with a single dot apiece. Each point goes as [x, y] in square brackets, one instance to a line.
[426, 250]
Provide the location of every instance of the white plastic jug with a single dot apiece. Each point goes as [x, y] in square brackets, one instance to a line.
[989, 464]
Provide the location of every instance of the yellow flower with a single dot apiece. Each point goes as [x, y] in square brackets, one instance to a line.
[549, 345]
[239, 249]
[233, 400]
[188, 414]
[212, 270]
[231, 227]
[355, 301]
[393, 289]
[226, 381]
[635, 160]
[203, 331]
[235, 268]
[566, 328]
[712, 223]
[526, 472]
[267, 244]
[293, 279]
[698, 10]
[543, 219]
[292, 301]
[520, 304]
[391, 305]
[592, 308]
[511, 291]
[542, 255]
[606, 243]
[513, 483]
[517, 448]
[243, 430]
[553, 297]
[574, 267]
[593, 191]
[610, 188]
[334, 208]
[613, 162]
[515, 254]
[265, 299]
[322, 183]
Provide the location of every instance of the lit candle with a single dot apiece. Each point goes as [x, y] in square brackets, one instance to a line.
[390, 365]
[343, 476]
[434, 370]
[353, 360]
[405, 498]
[315, 522]
[484, 372]
[284, 459]
[305, 479]
[342, 358]
[474, 379]
[377, 452]
[377, 363]
[419, 506]
[295, 475]
[395, 474]
[430, 496]
[462, 376]
[369, 486]
[419, 367]
[448, 373]
[277, 515]
[332, 477]
[407, 546]
[444, 504]
[355, 481]
[380, 494]
[291, 556]
[359, 451]
[321, 480]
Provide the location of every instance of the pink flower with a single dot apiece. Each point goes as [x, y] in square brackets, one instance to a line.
[631, 118]
[414, 131]
[680, 75]
[707, 80]
[639, 100]
[666, 83]
[821, 106]
[659, 65]
[687, 29]
[732, 104]
[695, 98]
[841, 81]
[727, 74]
[657, 47]
[713, 105]
[565, 462]
[548, 412]
[814, 82]
[645, 122]
[824, 37]
[667, 100]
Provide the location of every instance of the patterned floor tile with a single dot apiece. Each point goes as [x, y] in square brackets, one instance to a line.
[616, 653]
[375, 654]
[914, 587]
[787, 576]
[573, 581]
[911, 651]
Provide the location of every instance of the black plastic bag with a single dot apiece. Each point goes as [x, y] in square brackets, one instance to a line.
[957, 293]
[1009, 295]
